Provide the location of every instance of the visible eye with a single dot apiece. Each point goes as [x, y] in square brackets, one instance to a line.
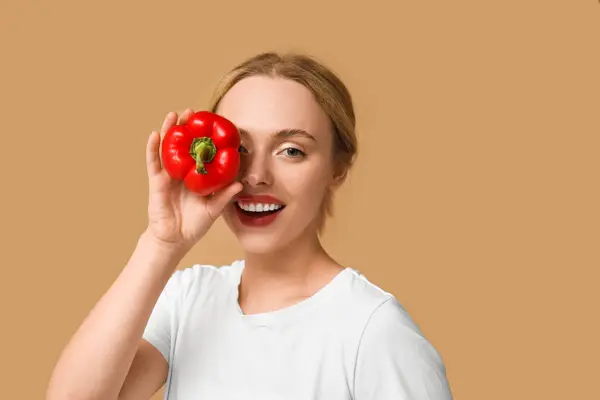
[242, 149]
[294, 152]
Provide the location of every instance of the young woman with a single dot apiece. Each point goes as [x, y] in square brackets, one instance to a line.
[287, 321]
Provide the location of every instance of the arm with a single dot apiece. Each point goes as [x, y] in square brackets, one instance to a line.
[111, 356]
[95, 363]
[147, 374]
[396, 362]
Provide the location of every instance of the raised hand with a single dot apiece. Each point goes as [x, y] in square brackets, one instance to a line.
[175, 215]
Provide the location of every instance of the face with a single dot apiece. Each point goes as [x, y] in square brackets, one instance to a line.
[286, 162]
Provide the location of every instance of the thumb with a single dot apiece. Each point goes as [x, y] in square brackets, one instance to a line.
[219, 200]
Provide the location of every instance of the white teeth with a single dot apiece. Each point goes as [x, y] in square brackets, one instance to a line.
[259, 207]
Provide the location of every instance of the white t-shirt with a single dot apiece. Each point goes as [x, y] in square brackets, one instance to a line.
[349, 341]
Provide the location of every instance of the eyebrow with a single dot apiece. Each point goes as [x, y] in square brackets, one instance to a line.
[284, 133]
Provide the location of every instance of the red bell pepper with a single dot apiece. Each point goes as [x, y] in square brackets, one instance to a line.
[204, 152]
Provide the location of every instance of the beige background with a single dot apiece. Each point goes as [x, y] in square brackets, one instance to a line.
[474, 200]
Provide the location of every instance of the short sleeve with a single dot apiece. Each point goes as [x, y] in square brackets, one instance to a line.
[161, 328]
[395, 361]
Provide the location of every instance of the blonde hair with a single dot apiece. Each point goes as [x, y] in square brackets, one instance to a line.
[328, 90]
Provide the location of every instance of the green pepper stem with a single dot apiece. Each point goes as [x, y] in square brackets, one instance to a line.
[202, 150]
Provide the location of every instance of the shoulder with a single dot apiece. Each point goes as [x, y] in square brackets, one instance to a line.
[371, 312]
[391, 325]
[365, 300]
[382, 313]
[201, 278]
[393, 356]
[388, 325]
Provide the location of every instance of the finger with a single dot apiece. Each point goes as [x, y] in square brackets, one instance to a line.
[185, 116]
[217, 202]
[168, 122]
[153, 165]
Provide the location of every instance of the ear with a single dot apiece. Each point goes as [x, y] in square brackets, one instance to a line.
[339, 177]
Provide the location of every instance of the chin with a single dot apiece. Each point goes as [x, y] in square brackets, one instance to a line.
[269, 237]
[258, 244]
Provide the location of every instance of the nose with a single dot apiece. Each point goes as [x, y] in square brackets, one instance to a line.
[255, 170]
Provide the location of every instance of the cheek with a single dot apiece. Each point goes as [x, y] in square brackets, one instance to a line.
[305, 182]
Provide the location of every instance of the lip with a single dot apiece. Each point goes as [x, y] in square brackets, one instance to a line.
[254, 221]
[259, 198]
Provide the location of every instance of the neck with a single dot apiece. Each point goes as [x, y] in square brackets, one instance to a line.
[292, 261]
[292, 272]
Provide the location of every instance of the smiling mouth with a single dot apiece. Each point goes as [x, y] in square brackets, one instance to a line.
[258, 210]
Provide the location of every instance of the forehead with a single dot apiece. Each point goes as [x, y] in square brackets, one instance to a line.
[263, 105]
